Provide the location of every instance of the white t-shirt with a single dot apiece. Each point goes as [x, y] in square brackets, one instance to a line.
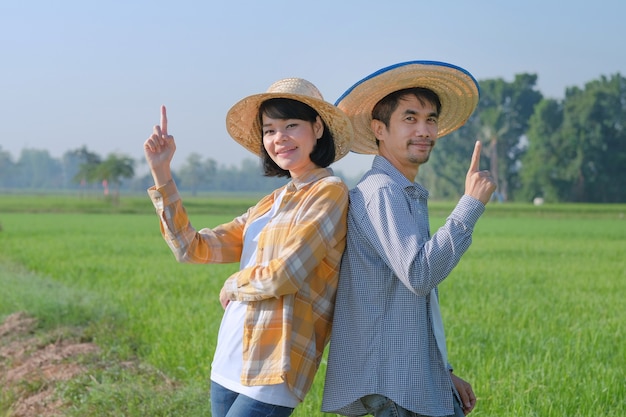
[228, 359]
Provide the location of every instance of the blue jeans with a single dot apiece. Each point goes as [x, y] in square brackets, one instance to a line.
[227, 403]
[381, 406]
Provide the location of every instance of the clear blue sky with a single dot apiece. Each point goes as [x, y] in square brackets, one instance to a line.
[94, 73]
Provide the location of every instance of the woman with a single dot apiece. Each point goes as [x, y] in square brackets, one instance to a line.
[279, 305]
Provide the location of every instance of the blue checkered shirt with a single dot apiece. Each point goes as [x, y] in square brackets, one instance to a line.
[382, 340]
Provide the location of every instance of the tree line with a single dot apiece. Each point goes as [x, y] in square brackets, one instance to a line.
[84, 171]
[569, 150]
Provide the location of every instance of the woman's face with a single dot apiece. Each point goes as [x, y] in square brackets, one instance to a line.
[289, 142]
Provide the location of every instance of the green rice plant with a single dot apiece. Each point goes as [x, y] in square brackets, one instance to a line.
[123, 259]
[534, 319]
[54, 303]
[533, 311]
[90, 202]
[115, 390]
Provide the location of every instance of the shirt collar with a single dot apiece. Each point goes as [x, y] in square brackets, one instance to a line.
[413, 189]
[310, 177]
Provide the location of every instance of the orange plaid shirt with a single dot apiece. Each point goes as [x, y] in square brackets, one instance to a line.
[291, 289]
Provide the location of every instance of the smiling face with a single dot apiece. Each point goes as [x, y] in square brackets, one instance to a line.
[410, 135]
[289, 142]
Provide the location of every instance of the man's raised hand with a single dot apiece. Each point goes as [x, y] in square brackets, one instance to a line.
[479, 184]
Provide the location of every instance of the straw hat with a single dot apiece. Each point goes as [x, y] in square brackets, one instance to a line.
[457, 89]
[242, 121]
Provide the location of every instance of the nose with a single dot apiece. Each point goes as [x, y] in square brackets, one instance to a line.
[421, 129]
[280, 136]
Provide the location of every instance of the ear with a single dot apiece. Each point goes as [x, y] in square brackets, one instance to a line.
[378, 128]
[318, 127]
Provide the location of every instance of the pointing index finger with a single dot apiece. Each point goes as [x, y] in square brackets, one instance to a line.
[475, 164]
[163, 121]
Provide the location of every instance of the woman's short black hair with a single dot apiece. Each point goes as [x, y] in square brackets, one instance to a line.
[323, 153]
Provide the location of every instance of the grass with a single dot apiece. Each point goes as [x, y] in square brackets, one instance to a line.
[533, 312]
[543, 331]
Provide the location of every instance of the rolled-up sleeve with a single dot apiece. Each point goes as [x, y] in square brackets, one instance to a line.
[222, 244]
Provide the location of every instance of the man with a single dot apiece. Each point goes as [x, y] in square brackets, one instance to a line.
[387, 351]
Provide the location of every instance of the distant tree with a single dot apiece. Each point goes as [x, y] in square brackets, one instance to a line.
[577, 148]
[504, 111]
[545, 151]
[250, 177]
[247, 177]
[196, 173]
[88, 166]
[38, 170]
[7, 168]
[70, 165]
[113, 169]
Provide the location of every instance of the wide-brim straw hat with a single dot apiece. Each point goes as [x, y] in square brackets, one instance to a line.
[242, 120]
[457, 89]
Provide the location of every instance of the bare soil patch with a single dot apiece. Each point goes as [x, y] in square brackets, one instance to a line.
[32, 365]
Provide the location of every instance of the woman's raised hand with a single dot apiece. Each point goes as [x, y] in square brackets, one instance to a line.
[159, 148]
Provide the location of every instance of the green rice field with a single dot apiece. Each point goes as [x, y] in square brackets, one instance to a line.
[534, 312]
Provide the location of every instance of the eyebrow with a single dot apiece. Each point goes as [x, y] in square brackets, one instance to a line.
[413, 112]
[280, 119]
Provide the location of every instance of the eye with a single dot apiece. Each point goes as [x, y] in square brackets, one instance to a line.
[268, 132]
[433, 120]
[291, 125]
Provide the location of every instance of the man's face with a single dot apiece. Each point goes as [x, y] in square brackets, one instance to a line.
[410, 136]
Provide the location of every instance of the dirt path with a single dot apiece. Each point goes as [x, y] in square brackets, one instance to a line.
[32, 364]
